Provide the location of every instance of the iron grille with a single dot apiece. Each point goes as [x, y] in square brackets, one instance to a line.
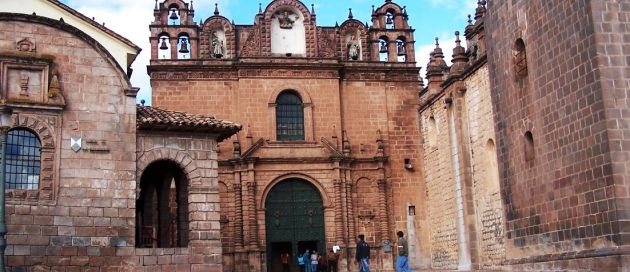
[289, 118]
[23, 160]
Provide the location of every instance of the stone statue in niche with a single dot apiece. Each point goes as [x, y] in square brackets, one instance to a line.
[285, 20]
[55, 88]
[353, 49]
[217, 46]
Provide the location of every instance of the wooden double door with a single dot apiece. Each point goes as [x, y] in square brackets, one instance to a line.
[294, 219]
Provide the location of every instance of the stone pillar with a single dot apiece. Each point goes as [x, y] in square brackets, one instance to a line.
[251, 218]
[340, 220]
[382, 210]
[238, 214]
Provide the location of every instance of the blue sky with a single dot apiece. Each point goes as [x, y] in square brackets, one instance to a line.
[131, 18]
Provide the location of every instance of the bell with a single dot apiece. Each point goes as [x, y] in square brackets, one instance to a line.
[184, 47]
[163, 45]
[383, 48]
[389, 19]
[401, 49]
[173, 15]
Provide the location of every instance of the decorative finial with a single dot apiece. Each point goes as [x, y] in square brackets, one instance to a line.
[156, 5]
[336, 24]
[350, 16]
[437, 42]
[469, 19]
[313, 8]
[373, 10]
[259, 8]
[191, 5]
[216, 9]
[61, 20]
[233, 22]
[142, 102]
[457, 40]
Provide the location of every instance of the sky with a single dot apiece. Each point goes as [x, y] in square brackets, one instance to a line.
[131, 19]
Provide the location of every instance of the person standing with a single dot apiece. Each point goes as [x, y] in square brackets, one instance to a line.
[285, 261]
[402, 264]
[307, 261]
[363, 254]
[333, 259]
[314, 260]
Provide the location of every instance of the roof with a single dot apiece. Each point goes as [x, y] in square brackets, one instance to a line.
[151, 118]
[95, 24]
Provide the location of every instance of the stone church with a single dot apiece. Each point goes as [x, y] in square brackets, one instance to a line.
[514, 157]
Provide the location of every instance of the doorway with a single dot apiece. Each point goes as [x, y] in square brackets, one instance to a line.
[294, 220]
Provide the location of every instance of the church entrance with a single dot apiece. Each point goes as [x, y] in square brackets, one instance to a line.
[294, 217]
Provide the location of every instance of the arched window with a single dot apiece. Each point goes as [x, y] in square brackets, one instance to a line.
[173, 15]
[383, 52]
[289, 117]
[520, 59]
[183, 46]
[23, 160]
[164, 47]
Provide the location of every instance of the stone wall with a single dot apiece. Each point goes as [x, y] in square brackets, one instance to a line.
[88, 219]
[564, 199]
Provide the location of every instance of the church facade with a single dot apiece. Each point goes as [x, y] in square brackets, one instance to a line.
[329, 147]
[512, 158]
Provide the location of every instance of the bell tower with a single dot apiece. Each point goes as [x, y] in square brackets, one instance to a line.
[174, 34]
[391, 36]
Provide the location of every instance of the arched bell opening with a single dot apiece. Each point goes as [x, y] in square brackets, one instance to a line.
[183, 46]
[401, 49]
[164, 46]
[383, 51]
[173, 15]
[390, 22]
[162, 207]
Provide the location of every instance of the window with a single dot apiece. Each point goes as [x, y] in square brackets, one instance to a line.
[528, 146]
[383, 52]
[173, 15]
[164, 47]
[520, 59]
[289, 117]
[23, 160]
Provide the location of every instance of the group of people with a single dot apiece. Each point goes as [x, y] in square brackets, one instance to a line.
[312, 261]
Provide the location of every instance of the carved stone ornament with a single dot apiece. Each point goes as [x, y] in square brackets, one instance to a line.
[284, 17]
[25, 45]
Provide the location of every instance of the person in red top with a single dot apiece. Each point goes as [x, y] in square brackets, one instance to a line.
[285, 261]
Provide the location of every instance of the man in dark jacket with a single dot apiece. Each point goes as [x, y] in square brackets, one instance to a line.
[402, 264]
[363, 254]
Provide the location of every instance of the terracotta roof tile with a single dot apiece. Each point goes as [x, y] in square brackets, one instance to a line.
[151, 118]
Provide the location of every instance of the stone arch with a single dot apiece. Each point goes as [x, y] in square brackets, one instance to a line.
[274, 5]
[180, 158]
[305, 95]
[320, 188]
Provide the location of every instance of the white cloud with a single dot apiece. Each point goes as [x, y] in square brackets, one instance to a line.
[464, 7]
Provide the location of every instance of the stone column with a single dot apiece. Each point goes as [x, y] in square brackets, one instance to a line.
[382, 210]
[238, 214]
[253, 226]
[340, 220]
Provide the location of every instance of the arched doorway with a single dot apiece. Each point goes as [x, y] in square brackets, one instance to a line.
[294, 220]
[162, 206]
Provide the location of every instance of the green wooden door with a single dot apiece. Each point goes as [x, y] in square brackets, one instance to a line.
[294, 218]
